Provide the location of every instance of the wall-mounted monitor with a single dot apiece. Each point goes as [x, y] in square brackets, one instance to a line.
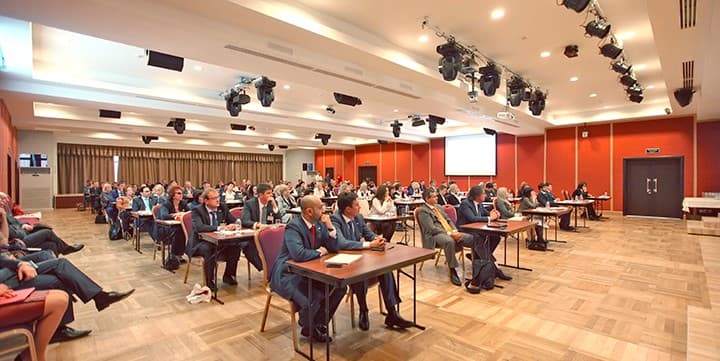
[33, 160]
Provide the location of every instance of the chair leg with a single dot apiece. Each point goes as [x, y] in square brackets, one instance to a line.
[248, 267]
[265, 313]
[293, 327]
[155, 251]
[380, 302]
[421, 265]
[187, 270]
[438, 257]
[352, 308]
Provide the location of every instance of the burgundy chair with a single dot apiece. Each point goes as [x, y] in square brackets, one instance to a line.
[162, 243]
[237, 213]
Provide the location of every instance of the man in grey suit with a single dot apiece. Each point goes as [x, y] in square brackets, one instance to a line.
[352, 229]
[307, 237]
[439, 231]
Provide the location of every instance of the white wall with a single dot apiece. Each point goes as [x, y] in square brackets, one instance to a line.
[37, 190]
[293, 163]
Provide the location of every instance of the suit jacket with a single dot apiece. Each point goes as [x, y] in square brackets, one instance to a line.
[468, 213]
[442, 200]
[15, 228]
[297, 247]
[452, 199]
[430, 225]
[251, 212]
[139, 205]
[201, 223]
[362, 231]
[169, 208]
[283, 205]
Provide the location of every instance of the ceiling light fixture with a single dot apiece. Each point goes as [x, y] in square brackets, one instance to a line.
[592, 95]
[612, 49]
[271, 147]
[416, 120]
[490, 79]
[234, 101]
[537, 102]
[423, 38]
[451, 61]
[516, 89]
[178, 124]
[545, 54]
[265, 92]
[497, 14]
[574, 78]
[621, 67]
[683, 96]
[148, 138]
[324, 138]
[577, 5]
[347, 99]
[571, 51]
[396, 125]
[628, 79]
[433, 122]
[598, 28]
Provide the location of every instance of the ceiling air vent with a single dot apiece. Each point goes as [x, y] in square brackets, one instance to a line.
[688, 70]
[688, 13]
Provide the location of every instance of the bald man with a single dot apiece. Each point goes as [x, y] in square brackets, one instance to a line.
[307, 237]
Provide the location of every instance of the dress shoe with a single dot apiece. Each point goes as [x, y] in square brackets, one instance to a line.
[568, 228]
[364, 321]
[454, 277]
[319, 334]
[230, 280]
[105, 299]
[471, 289]
[499, 274]
[65, 333]
[72, 249]
[394, 320]
[182, 260]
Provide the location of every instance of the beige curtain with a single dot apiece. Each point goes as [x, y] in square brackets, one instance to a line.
[78, 163]
[141, 165]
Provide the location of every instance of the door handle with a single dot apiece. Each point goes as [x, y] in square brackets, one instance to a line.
[647, 186]
[656, 184]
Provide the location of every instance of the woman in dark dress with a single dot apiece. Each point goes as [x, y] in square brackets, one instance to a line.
[173, 235]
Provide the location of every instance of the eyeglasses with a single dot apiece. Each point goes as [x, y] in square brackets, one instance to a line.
[178, 192]
[211, 198]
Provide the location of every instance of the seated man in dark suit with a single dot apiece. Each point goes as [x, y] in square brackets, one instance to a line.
[546, 198]
[439, 231]
[208, 218]
[306, 238]
[145, 202]
[351, 230]
[259, 210]
[44, 272]
[33, 236]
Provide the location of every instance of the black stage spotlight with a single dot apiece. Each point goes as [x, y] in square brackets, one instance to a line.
[635, 89]
[396, 128]
[148, 138]
[577, 5]
[433, 122]
[234, 102]
[571, 51]
[628, 79]
[516, 91]
[265, 91]
[537, 102]
[347, 99]
[178, 124]
[489, 131]
[621, 67]
[636, 98]
[324, 138]
[383, 142]
[683, 96]
[238, 126]
[104, 113]
[598, 28]
[451, 61]
[416, 120]
[283, 146]
[271, 147]
[490, 79]
[611, 50]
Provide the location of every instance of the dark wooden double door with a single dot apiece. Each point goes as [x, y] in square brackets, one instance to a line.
[653, 186]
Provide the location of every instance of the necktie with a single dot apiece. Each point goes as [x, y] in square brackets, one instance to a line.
[313, 240]
[442, 220]
[477, 208]
[263, 214]
[147, 203]
[352, 231]
[213, 219]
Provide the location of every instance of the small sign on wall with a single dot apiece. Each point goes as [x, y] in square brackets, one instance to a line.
[652, 150]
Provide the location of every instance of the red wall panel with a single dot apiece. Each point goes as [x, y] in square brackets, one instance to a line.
[387, 171]
[594, 158]
[349, 166]
[368, 155]
[560, 165]
[402, 164]
[437, 161]
[674, 137]
[420, 156]
[530, 160]
[505, 161]
[708, 151]
[320, 161]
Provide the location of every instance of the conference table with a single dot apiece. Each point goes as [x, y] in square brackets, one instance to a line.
[137, 215]
[222, 239]
[371, 264]
[577, 203]
[168, 223]
[600, 200]
[373, 218]
[546, 212]
[510, 228]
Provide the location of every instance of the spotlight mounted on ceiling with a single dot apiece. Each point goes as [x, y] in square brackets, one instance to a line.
[283, 146]
[489, 131]
[611, 50]
[234, 101]
[571, 51]
[490, 79]
[383, 142]
[265, 92]
[271, 147]
[149, 138]
[636, 98]
[451, 61]
[178, 124]
[516, 90]
[330, 109]
[537, 102]
[635, 89]
[577, 5]
[347, 99]
[433, 121]
[416, 120]
[598, 28]
[396, 125]
[241, 127]
[324, 138]
[683, 96]
[628, 79]
[621, 67]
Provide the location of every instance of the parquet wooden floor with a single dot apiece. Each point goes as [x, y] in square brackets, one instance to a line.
[620, 290]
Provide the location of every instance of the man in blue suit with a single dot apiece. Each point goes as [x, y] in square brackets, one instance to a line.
[307, 237]
[471, 210]
[145, 202]
[352, 229]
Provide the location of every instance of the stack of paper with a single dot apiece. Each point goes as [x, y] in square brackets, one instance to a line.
[343, 258]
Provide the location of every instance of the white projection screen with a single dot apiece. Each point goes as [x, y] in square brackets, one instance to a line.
[471, 155]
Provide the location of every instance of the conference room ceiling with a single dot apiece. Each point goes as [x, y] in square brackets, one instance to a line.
[88, 55]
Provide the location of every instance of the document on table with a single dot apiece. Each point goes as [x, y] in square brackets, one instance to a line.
[343, 258]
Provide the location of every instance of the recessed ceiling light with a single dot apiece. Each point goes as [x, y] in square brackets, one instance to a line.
[593, 95]
[545, 54]
[574, 78]
[639, 67]
[395, 110]
[497, 14]
[286, 87]
[197, 68]
[423, 38]
[625, 36]
[650, 87]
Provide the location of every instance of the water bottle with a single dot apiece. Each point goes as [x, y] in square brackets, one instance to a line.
[547, 204]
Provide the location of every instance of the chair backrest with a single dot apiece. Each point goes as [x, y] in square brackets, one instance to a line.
[364, 207]
[236, 212]
[417, 224]
[565, 194]
[268, 241]
[156, 211]
[451, 212]
[186, 224]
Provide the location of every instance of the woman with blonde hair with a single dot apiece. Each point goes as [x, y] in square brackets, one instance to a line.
[158, 192]
[502, 204]
[452, 196]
